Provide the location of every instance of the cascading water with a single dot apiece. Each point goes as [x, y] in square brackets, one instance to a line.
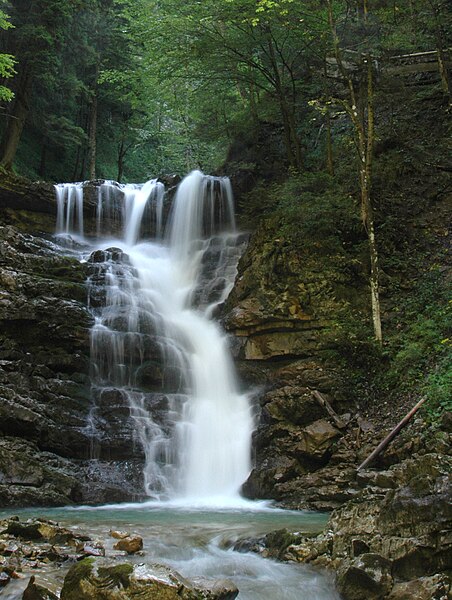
[159, 360]
[153, 340]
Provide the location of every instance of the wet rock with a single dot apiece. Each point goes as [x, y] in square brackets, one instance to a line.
[436, 587]
[119, 535]
[26, 531]
[33, 591]
[5, 578]
[90, 579]
[110, 254]
[33, 478]
[39, 530]
[221, 589]
[366, 578]
[130, 544]
[91, 549]
[256, 545]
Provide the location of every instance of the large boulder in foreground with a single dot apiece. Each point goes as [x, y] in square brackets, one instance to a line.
[105, 580]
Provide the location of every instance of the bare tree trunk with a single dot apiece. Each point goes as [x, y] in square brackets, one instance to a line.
[16, 121]
[374, 282]
[362, 116]
[92, 143]
[366, 151]
[369, 151]
[329, 144]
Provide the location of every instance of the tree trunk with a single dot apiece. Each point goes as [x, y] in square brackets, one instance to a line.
[329, 144]
[92, 137]
[292, 143]
[362, 117]
[367, 204]
[16, 121]
[121, 156]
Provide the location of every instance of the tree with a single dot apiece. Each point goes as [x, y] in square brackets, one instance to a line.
[7, 63]
[35, 40]
[359, 105]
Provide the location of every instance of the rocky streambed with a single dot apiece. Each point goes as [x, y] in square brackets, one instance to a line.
[392, 541]
[389, 535]
[159, 552]
[40, 546]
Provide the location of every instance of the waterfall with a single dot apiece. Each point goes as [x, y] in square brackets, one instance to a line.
[154, 341]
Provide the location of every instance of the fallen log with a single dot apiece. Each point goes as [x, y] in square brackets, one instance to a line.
[329, 409]
[388, 439]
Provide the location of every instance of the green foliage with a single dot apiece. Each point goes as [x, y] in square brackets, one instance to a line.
[419, 351]
[7, 62]
[177, 82]
[310, 207]
[438, 389]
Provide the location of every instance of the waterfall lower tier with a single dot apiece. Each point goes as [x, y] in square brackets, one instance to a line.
[153, 340]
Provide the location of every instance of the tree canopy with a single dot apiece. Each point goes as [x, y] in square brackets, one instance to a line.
[126, 89]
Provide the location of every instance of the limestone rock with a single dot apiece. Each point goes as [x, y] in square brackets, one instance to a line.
[436, 587]
[33, 591]
[92, 580]
[130, 544]
[317, 439]
[366, 578]
[119, 535]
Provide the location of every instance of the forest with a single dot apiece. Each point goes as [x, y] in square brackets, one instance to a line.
[125, 90]
[332, 121]
[295, 95]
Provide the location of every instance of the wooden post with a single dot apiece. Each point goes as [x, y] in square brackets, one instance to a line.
[382, 445]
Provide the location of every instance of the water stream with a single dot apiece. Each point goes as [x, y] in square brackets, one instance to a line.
[199, 543]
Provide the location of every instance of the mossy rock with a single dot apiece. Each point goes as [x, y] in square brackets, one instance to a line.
[93, 579]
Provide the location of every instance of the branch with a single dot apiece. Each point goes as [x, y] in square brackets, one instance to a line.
[392, 435]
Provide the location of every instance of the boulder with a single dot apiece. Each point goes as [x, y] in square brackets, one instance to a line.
[317, 439]
[366, 578]
[33, 591]
[103, 580]
[130, 544]
[437, 587]
[119, 535]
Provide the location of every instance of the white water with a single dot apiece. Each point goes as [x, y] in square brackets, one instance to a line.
[155, 309]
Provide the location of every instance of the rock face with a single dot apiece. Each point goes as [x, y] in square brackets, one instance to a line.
[393, 541]
[46, 445]
[279, 314]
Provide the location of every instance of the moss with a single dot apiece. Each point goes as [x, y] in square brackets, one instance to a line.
[71, 588]
[119, 575]
[278, 541]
